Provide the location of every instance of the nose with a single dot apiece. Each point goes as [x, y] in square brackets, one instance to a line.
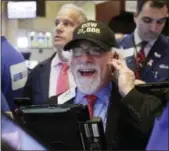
[154, 27]
[59, 28]
[86, 58]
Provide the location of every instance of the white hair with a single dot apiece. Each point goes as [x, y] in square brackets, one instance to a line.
[82, 15]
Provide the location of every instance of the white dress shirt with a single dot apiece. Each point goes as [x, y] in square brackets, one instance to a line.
[54, 74]
[138, 40]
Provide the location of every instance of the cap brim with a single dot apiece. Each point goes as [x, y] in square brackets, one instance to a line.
[72, 43]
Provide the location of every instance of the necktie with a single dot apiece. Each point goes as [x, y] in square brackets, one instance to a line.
[63, 82]
[91, 100]
[140, 59]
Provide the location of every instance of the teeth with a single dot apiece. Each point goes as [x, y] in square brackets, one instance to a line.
[87, 70]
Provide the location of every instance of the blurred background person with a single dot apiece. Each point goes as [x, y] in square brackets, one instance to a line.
[13, 74]
[146, 48]
[4, 106]
[53, 76]
[159, 136]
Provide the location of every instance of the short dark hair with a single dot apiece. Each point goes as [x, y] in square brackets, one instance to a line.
[154, 4]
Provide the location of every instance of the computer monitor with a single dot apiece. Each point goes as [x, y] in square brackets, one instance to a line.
[57, 125]
[21, 9]
[16, 137]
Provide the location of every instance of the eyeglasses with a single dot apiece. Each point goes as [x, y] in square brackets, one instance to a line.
[92, 51]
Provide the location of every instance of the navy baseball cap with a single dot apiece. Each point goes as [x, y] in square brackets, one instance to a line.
[96, 32]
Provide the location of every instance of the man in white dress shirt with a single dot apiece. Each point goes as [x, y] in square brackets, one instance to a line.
[53, 76]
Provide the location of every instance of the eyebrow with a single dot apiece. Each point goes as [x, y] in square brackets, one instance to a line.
[155, 19]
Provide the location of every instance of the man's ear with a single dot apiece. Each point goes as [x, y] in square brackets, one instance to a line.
[117, 53]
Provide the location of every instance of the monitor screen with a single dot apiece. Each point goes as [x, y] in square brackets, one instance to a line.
[17, 137]
[21, 9]
[57, 125]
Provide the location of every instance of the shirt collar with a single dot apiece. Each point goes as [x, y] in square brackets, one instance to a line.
[103, 95]
[56, 61]
[138, 40]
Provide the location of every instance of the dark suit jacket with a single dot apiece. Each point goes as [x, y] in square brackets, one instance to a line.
[129, 120]
[37, 86]
[159, 54]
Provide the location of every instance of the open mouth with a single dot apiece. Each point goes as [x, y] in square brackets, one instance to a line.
[87, 72]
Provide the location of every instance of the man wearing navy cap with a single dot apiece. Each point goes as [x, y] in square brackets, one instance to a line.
[93, 63]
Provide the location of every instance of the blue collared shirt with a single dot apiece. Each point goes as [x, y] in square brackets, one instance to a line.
[159, 136]
[101, 104]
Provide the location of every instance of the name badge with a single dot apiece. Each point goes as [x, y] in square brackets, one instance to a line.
[19, 75]
[69, 94]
